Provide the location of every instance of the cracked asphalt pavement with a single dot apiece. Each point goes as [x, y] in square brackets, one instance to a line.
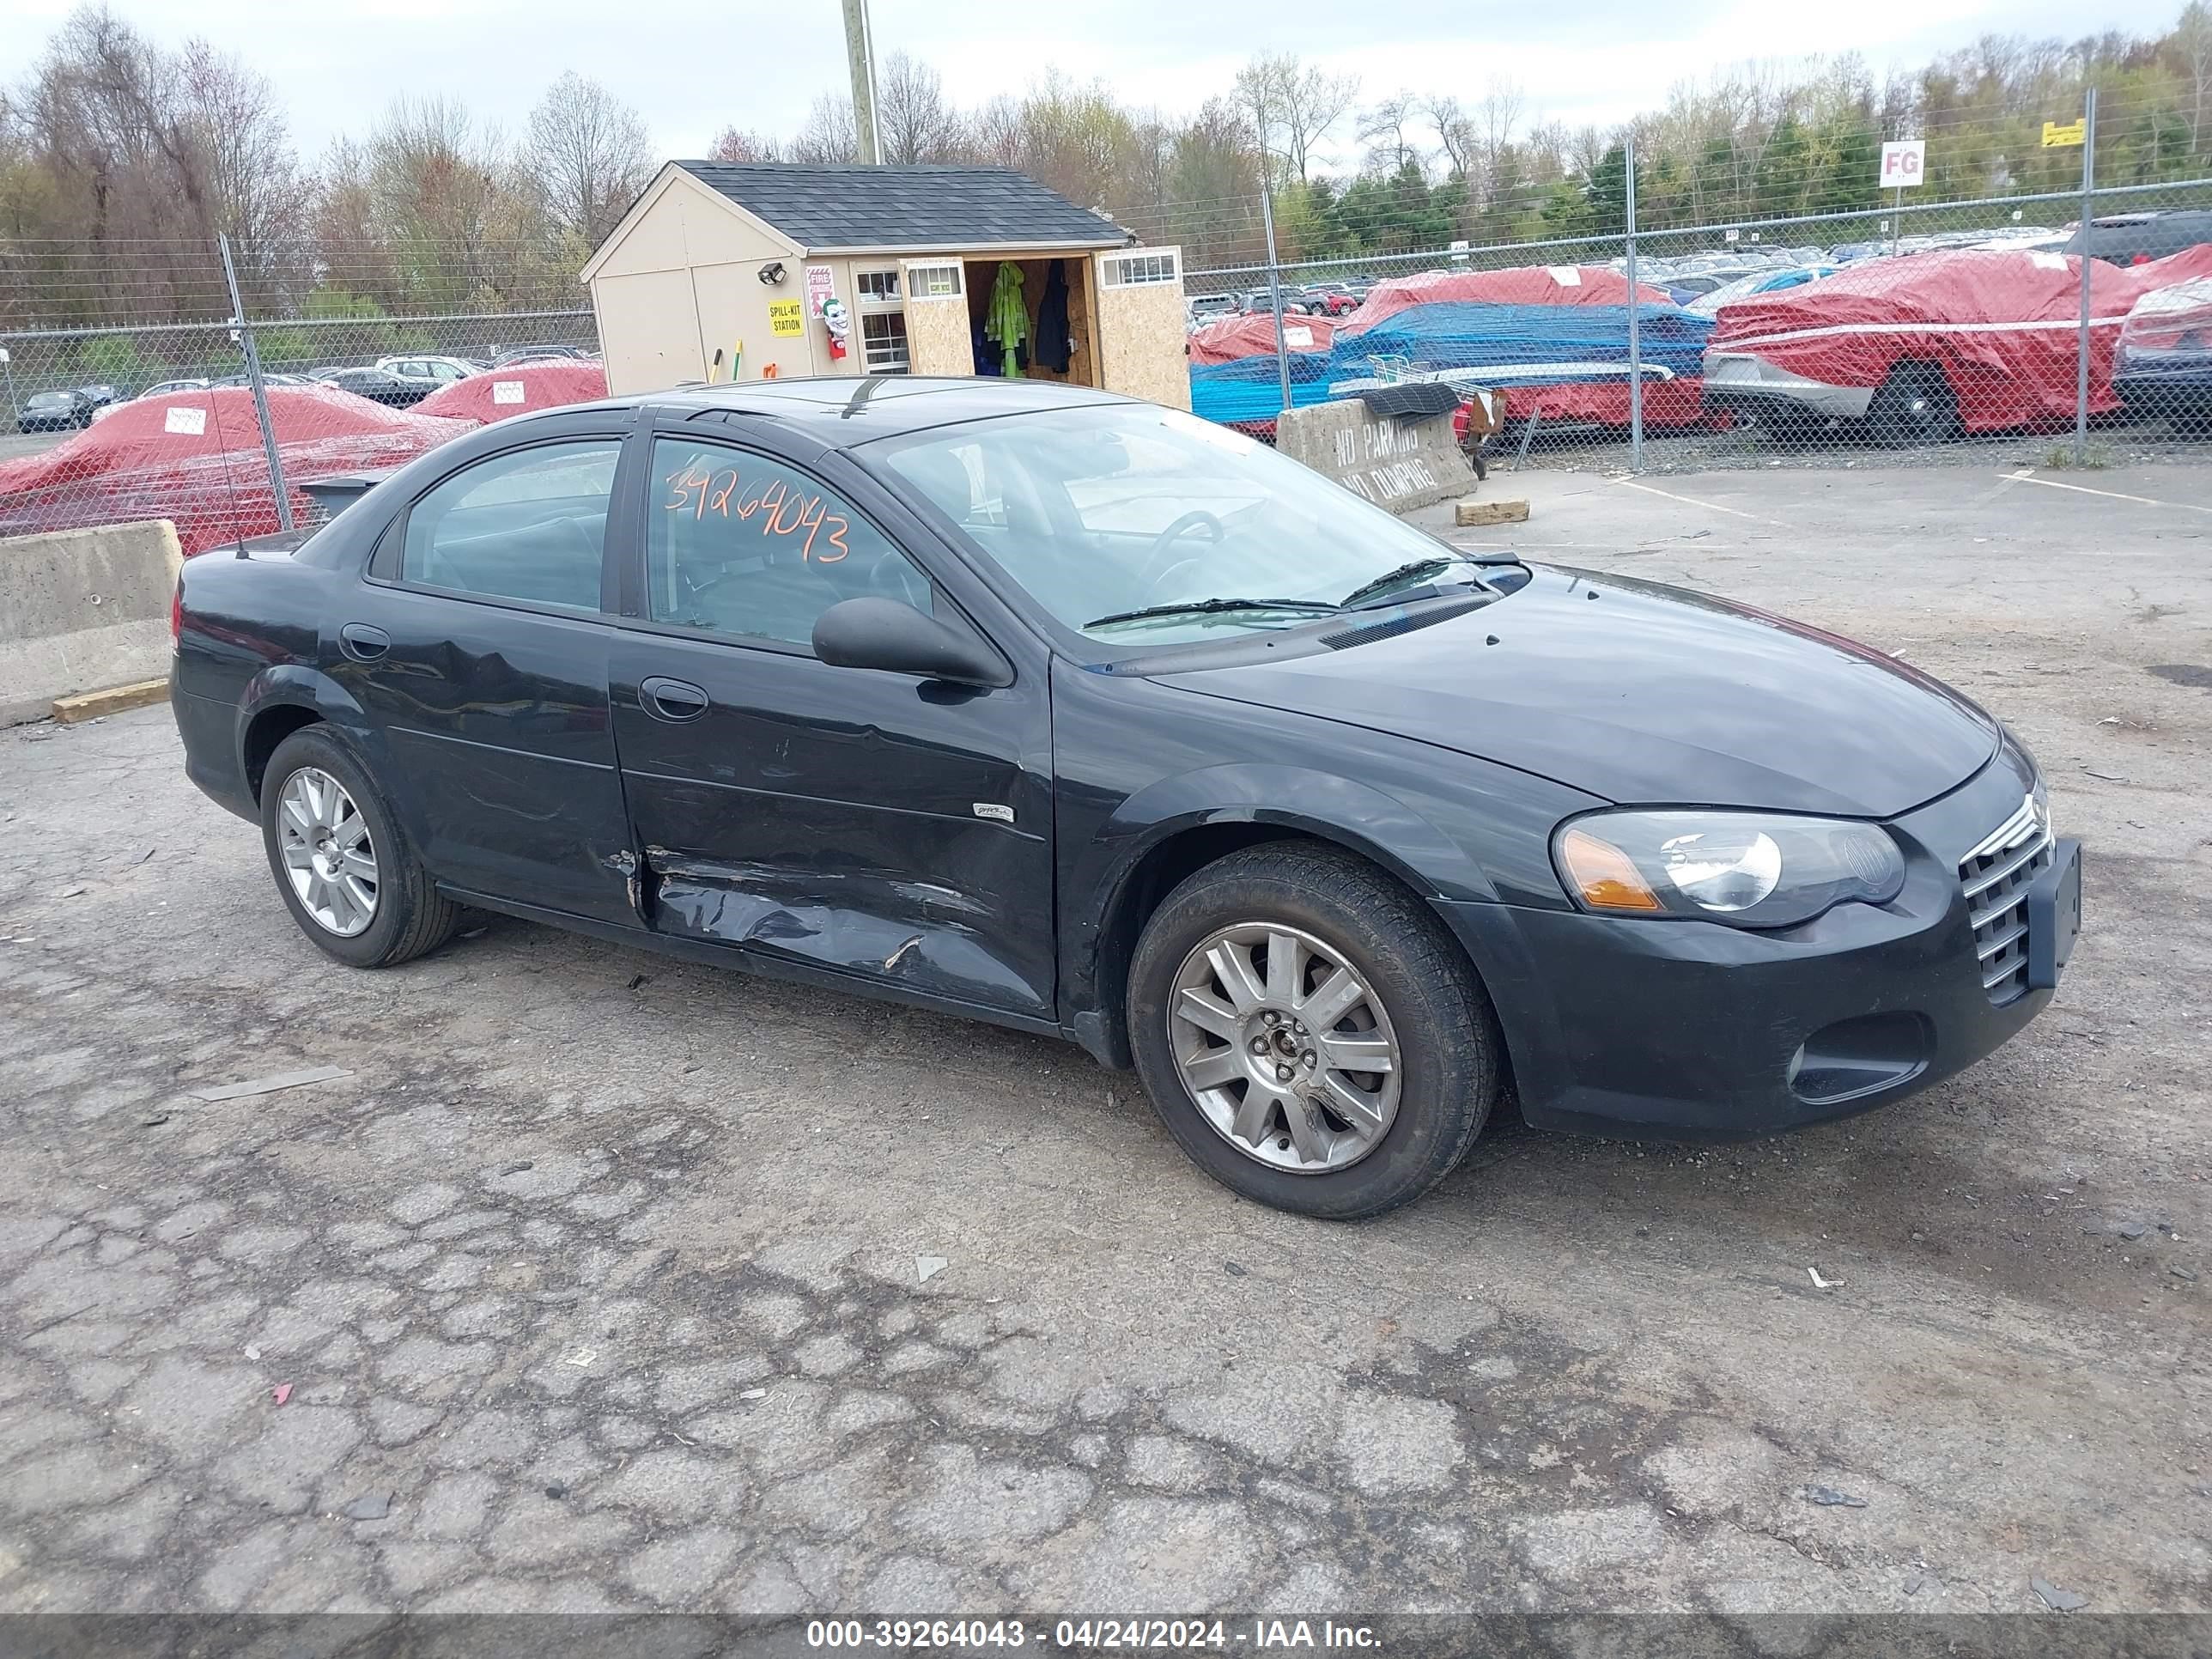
[593, 1282]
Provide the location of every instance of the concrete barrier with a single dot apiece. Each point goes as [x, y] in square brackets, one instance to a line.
[1394, 461]
[83, 611]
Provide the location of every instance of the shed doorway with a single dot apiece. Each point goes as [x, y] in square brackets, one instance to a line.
[1039, 358]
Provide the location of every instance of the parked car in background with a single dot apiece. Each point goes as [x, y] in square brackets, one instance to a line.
[1026, 739]
[53, 411]
[381, 386]
[518, 389]
[101, 396]
[1263, 300]
[162, 389]
[433, 371]
[2137, 239]
[502, 356]
[1925, 348]
[207, 473]
[1199, 309]
[2162, 366]
[1330, 300]
[1759, 282]
[266, 380]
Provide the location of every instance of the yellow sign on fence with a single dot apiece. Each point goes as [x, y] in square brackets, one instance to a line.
[786, 317]
[2056, 136]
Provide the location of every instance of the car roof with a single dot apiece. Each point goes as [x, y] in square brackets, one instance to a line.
[845, 410]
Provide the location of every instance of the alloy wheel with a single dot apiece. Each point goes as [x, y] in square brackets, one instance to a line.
[1287, 1051]
[328, 856]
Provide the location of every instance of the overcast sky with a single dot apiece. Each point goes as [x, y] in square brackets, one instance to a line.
[694, 66]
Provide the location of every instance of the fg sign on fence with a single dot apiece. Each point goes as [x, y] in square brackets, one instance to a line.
[1903, 161]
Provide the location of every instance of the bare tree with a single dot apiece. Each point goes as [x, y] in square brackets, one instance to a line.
[916, 121]
[1292, 106]
[1387, 129]
[732, 145]
[827, 135]
[591, 154]
[2192, 39]
[1455, 134]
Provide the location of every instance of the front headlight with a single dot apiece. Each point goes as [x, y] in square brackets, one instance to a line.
[1749, 869]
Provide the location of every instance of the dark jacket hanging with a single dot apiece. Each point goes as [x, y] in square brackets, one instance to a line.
[1054, 344]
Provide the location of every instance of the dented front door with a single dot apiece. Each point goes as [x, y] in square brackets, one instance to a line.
[875, 824]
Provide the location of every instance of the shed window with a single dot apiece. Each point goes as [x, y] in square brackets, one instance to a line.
[883, 342]
[1130, 269]
[936, 282]
[877, 288]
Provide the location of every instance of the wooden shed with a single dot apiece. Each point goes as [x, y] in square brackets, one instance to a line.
[718, 268]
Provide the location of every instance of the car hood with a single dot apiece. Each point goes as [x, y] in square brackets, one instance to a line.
[1647, 695]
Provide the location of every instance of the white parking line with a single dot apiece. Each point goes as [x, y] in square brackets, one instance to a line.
[2027, 476]
[1691, 500]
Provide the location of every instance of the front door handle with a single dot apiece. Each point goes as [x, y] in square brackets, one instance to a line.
[672, 700]
[363, 643]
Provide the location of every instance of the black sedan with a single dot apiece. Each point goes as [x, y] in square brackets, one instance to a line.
[54, 412]
[379, 385]
[1044, 707]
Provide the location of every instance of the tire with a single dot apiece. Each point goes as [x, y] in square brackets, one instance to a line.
[1417, 995]
[408, 915]
[1914, 406]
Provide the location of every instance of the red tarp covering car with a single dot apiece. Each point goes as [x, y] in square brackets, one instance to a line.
[1234, 339]
[2003, 325]
[1552, 338]
[516, 389]
[195, 458]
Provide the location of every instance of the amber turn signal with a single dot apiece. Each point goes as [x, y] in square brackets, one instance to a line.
[1606, 877]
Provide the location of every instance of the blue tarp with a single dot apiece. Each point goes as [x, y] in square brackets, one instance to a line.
[1250, 390]
[1526, 345]
[1550, 343]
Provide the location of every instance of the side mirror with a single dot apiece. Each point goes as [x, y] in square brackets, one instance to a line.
[892, 636]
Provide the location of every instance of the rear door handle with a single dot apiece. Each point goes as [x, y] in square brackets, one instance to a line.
[672, 700]
[363, 643]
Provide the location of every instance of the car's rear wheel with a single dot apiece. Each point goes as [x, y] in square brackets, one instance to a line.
[1914, 405]
[1308, 1033]
[349, 877]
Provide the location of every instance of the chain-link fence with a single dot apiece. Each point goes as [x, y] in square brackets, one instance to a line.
[108, 420]
[2042, 294]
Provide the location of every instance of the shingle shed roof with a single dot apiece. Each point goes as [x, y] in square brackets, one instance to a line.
[932, 208]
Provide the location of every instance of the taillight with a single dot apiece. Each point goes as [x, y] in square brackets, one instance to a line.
[177, 615]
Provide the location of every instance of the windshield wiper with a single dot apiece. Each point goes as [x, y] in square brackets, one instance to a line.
[1205, 607]
[1405, 572]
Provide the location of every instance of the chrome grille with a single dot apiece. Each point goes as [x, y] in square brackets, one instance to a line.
[1995, 878]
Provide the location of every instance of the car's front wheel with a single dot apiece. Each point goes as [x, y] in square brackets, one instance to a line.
[1310, 1034]
[349, 877]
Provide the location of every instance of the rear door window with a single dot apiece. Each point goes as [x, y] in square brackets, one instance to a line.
[530, 524]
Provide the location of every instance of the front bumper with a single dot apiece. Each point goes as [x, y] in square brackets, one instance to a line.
[1694, 1030]
[1743, 384]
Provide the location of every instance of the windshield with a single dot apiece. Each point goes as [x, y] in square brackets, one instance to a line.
[1120, 507]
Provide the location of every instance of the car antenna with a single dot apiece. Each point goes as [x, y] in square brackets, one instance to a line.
[229, 483]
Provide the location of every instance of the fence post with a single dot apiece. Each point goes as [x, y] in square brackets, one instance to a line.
[2081, 349]
[1635, 337]
[1274, 282]
[260, 392]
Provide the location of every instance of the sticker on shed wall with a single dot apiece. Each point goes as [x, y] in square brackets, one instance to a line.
[786, 317]
[821, 285]
[506, 392]
[177, 419]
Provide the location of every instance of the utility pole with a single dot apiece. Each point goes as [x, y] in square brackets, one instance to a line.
[860, 48]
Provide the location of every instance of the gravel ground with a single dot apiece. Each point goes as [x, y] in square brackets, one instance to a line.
[602, 1280]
